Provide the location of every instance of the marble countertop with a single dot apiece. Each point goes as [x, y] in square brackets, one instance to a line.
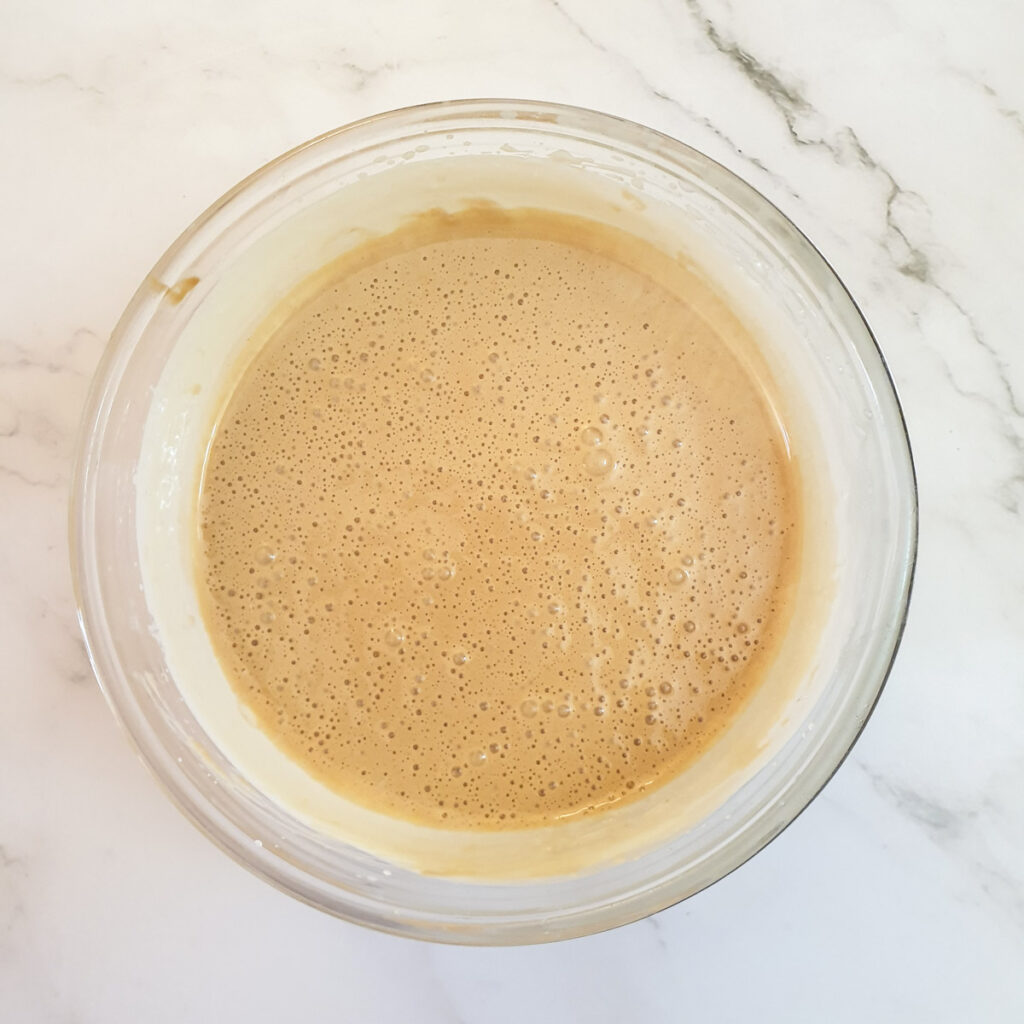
[892, 133]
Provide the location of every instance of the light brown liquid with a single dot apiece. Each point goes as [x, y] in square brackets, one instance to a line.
[498, 527]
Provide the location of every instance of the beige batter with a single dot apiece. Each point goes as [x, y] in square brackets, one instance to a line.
[499, 526]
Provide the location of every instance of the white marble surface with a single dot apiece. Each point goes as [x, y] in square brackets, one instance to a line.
[892, 132]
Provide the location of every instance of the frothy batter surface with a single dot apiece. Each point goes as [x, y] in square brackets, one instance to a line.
[495, 530]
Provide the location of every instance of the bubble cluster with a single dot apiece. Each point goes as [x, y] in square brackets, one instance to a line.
[494, 530]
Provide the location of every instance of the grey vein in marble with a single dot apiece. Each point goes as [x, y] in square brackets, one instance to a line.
[38, 424]
[949, 828]
[662, 95]
[1001, 107]
[61, 79]
[901, 204]
[13, 873]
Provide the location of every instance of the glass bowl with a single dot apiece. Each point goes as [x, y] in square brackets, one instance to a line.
[136, 470]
